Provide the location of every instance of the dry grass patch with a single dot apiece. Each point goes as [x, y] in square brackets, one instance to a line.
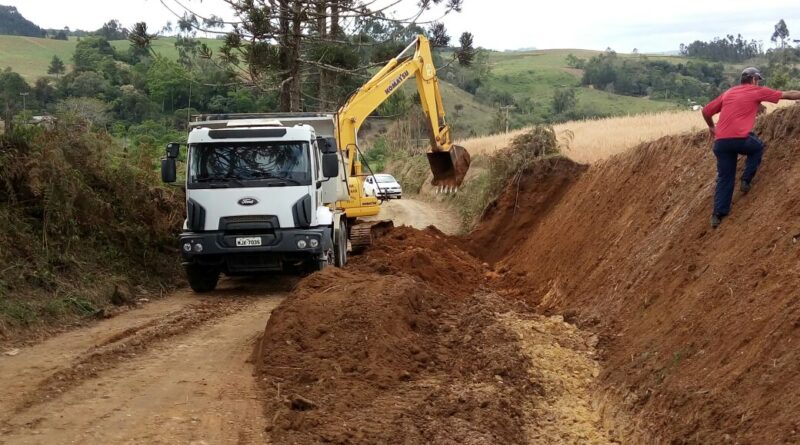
[594, 140]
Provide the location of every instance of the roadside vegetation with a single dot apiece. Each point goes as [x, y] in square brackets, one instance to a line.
[83, 224]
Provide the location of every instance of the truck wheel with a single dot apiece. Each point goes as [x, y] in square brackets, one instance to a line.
[202, 279]
[325, 260]
[340, 247]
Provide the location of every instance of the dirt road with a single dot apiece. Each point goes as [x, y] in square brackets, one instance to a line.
[175, 371]
[420, 214]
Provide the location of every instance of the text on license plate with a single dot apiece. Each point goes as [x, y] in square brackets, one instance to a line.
[248, 242]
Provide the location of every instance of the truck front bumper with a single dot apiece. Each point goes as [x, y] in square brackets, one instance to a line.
[278, 249]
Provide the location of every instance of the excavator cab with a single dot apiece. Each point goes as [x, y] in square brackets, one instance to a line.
[449, 167]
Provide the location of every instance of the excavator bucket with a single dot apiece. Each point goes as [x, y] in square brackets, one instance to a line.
[449, 167]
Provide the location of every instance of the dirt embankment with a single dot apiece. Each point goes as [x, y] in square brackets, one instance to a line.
[700, 327]
[409, 346]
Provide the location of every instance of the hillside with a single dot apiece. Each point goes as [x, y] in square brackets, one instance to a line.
[698, 327]
[536, 74]
[13, 23]
[30, 56]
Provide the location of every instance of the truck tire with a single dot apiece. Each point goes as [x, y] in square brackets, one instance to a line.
[202, 279]
[340, 246]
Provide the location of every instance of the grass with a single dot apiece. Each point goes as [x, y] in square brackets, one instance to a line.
[473, 118]
[30, 56]
[536, 74]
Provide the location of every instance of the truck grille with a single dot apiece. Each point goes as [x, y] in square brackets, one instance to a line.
[255, 262]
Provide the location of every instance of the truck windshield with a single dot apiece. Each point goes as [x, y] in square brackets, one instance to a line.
[249, 164]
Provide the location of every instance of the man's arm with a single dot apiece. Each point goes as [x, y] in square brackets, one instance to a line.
[791, 95]
[713, 107]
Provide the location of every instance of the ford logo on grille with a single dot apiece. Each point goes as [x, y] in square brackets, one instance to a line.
[248, 201]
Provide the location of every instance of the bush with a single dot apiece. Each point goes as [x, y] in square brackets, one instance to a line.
[77, 221]
[504, 167]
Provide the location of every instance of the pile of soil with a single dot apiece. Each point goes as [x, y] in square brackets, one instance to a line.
[700, 327]
[427, 255]
[354, 356]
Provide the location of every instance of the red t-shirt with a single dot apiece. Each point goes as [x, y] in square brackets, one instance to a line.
[738, 108]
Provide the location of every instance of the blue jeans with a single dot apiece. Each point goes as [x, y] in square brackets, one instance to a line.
[727, 152]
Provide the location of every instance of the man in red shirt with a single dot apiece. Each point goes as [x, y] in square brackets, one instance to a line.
[733, 135]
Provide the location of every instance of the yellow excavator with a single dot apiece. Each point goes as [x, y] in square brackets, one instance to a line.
[448, 162]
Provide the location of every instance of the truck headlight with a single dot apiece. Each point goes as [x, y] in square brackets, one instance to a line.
[198, 248]
[301, 244]
[313, 242]
[187, 247]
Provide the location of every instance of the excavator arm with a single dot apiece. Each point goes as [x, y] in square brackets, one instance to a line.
[449, 163]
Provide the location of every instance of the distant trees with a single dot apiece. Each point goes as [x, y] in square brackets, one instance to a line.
[57, 67]
[655, 78]
[13, 23]
[95, 54]
[575, 62]
[113, 30]
[728, 49]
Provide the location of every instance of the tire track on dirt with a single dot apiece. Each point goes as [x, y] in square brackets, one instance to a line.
[179, 377]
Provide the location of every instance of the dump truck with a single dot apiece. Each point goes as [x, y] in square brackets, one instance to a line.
[285, 191]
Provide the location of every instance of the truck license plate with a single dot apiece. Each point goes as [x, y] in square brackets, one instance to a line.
[248, 242]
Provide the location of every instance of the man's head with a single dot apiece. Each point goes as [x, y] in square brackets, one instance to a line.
[751, 76]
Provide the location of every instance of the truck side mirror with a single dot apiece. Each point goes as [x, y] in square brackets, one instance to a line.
[327, 145]
[168, 170]
[173, 150]
[330, 165]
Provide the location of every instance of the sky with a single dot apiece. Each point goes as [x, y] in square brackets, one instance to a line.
[497, 24]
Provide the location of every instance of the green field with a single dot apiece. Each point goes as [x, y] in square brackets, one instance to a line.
[536, 74]
[31, 56]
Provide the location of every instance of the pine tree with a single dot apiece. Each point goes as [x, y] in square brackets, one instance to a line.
[56, 67]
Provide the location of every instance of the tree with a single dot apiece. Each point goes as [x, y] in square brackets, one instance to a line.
[167, 82]
[113, 30]
[575, 62]
[563, 101]
[43, 92]
[438, 35]
[141, 40]
[12, 86]
[92, 111]
[56, 67]
[88, 84]
[61, 35]
[466, 53]
[781, 33]
[93, 54]
[273, 39]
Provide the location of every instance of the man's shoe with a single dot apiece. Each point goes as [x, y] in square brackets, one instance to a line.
[716, 220]
[745, 186]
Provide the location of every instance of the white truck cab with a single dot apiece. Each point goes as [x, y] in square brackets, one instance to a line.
[259, 195]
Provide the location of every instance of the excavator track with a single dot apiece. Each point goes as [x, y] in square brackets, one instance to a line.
[364, 233]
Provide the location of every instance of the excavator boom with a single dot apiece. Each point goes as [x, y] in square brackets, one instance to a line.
[449, 163]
